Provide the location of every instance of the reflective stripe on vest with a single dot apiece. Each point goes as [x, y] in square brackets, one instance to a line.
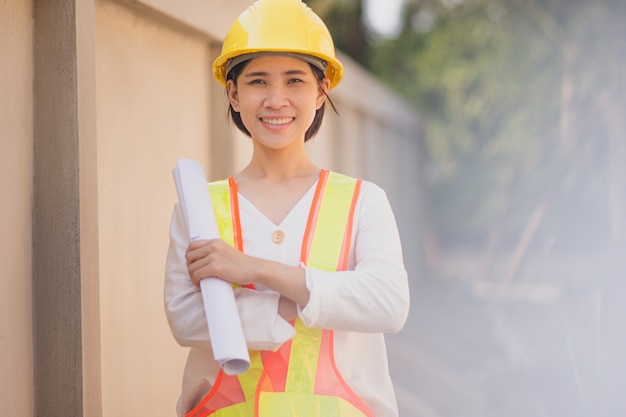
[300, 378]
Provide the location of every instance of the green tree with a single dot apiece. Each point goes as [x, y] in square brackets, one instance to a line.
[344, 19]
[521, 100]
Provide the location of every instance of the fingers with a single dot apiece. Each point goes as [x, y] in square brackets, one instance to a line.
[216, 258]
[198, 249]
[197, 257]
[198, 244]
[210, 258]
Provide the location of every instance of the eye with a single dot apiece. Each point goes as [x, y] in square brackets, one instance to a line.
[256, 81]
[295, 81]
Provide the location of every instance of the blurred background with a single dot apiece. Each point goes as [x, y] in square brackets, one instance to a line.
[520, 310]
[496, 127]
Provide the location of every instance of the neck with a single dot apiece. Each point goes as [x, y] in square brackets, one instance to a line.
[279, 166]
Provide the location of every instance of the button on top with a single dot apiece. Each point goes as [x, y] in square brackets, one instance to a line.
[278, 236]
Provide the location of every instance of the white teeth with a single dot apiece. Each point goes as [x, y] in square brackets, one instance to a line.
[282, 121]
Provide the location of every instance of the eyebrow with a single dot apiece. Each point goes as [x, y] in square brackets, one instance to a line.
[265, 74]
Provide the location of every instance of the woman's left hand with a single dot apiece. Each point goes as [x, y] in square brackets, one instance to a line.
[216, 258]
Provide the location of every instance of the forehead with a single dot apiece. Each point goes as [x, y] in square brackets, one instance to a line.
[277, 63]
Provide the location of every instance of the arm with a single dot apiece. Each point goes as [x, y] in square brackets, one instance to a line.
[258, 310]
[215, 258]
[374, 295]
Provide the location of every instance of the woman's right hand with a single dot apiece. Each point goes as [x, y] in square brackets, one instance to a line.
[216, 258]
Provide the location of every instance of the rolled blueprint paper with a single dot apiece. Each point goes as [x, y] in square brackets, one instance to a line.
[227, 340]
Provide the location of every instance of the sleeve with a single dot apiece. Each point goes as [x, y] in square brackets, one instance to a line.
[263, 328]
[374, 295]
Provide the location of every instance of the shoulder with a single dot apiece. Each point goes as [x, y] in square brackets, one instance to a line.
[373, 200]
[369, 186]
[368, 189]
[371, 195]
[371, 189]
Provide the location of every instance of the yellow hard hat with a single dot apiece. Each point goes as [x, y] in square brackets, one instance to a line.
[279, 26]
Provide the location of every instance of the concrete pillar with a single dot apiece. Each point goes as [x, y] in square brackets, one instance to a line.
[65, 249]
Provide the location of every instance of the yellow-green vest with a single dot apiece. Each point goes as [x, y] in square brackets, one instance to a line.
[300, 379]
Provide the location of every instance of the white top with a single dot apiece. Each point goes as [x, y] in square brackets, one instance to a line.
[360, 304]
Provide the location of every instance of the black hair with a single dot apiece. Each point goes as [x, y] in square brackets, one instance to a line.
[236, 71]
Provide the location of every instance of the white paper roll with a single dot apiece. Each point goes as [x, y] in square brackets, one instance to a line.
[227, 340]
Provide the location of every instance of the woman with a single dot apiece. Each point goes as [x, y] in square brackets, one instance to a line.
[314, 255]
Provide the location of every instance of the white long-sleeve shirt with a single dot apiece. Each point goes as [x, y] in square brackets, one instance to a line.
[360, 304]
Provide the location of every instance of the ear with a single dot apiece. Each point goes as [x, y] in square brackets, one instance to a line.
[233, 94]
[322, 92]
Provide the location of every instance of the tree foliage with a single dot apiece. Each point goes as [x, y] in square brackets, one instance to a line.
[522, 101]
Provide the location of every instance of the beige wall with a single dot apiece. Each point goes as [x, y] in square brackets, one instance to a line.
[155, 102]
[152, 104]
[16, 171]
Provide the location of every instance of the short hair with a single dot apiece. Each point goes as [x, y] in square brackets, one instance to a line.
[236, 71]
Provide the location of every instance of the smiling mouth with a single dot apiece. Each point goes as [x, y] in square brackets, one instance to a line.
[278, 121]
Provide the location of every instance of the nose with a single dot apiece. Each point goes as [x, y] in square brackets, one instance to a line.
[276, 97]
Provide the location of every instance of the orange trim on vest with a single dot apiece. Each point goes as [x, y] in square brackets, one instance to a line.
[312, 220]
[324, 383]
[234, 210]
[224, 384]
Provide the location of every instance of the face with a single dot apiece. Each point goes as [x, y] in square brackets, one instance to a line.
[276, 97]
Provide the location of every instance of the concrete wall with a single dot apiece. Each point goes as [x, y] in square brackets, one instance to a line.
[16, 172]
[98, 102]
[153, 107]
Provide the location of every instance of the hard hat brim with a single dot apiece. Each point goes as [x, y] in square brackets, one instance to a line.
[334, 70]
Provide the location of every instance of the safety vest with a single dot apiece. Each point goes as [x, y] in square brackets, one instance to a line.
[300, 379]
